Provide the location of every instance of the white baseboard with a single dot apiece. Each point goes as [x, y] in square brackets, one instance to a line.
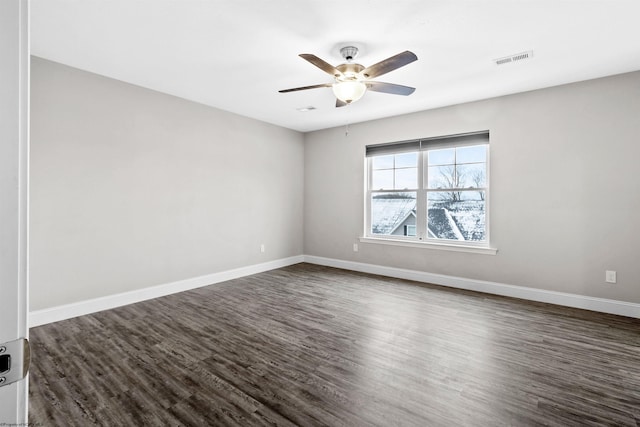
[55, 314]
[621, 308]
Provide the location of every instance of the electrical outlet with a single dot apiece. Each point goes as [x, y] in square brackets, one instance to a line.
[262, 248]
[610, 276]
[355, 247]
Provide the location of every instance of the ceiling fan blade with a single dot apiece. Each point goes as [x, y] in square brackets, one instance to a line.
[389, 64]
[324, 66]
[306, 87]
[340, 103]
[390, 88]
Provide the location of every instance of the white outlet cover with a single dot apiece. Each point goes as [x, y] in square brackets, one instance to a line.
[610, 276]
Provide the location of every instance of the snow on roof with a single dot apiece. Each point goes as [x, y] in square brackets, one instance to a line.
[388, 213]
[460, 220]
[442, 225]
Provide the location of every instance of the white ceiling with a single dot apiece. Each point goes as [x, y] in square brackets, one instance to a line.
[236, 54]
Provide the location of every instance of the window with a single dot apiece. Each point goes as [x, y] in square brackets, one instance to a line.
[409, 230]
[431, 190]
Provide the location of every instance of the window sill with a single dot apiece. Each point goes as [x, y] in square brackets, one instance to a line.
[429, 245]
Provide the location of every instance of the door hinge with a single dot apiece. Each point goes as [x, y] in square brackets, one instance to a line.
[15, 357]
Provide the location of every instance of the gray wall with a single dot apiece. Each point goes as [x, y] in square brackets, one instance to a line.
[565, 199]
[132, 188]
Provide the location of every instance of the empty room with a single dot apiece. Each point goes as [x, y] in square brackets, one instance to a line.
[301, 213]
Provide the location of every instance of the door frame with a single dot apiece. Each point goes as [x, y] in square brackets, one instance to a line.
[14, 194]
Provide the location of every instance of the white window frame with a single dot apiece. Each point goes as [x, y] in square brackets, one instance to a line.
[421, 239]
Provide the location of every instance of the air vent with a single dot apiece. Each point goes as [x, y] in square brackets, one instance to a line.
[514, 58]
[305, 109]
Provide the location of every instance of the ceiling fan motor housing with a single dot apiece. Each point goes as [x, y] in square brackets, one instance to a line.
[349, 71]
[349, 53]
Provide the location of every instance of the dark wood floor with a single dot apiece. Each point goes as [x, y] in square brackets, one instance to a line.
[309, 345]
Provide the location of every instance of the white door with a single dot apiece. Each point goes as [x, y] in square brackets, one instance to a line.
[14, 136]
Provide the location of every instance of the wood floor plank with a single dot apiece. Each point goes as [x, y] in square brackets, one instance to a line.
[311, 345]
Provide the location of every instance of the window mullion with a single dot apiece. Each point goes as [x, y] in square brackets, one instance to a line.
[369, 192]
[421, 200]
[393, 173]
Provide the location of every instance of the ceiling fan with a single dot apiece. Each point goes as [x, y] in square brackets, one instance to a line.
[352, 80]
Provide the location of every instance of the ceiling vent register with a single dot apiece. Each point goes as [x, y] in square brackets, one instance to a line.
[514, 58]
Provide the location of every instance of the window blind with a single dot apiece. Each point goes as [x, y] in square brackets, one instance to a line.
[459, 140]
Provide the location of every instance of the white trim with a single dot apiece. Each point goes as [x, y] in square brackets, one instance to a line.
[55, 314]
[25, 162]
[430, 245]
[14, 163]
[620, 308]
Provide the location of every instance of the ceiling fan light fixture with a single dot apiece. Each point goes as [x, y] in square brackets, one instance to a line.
[349, 91]
[352, 80]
